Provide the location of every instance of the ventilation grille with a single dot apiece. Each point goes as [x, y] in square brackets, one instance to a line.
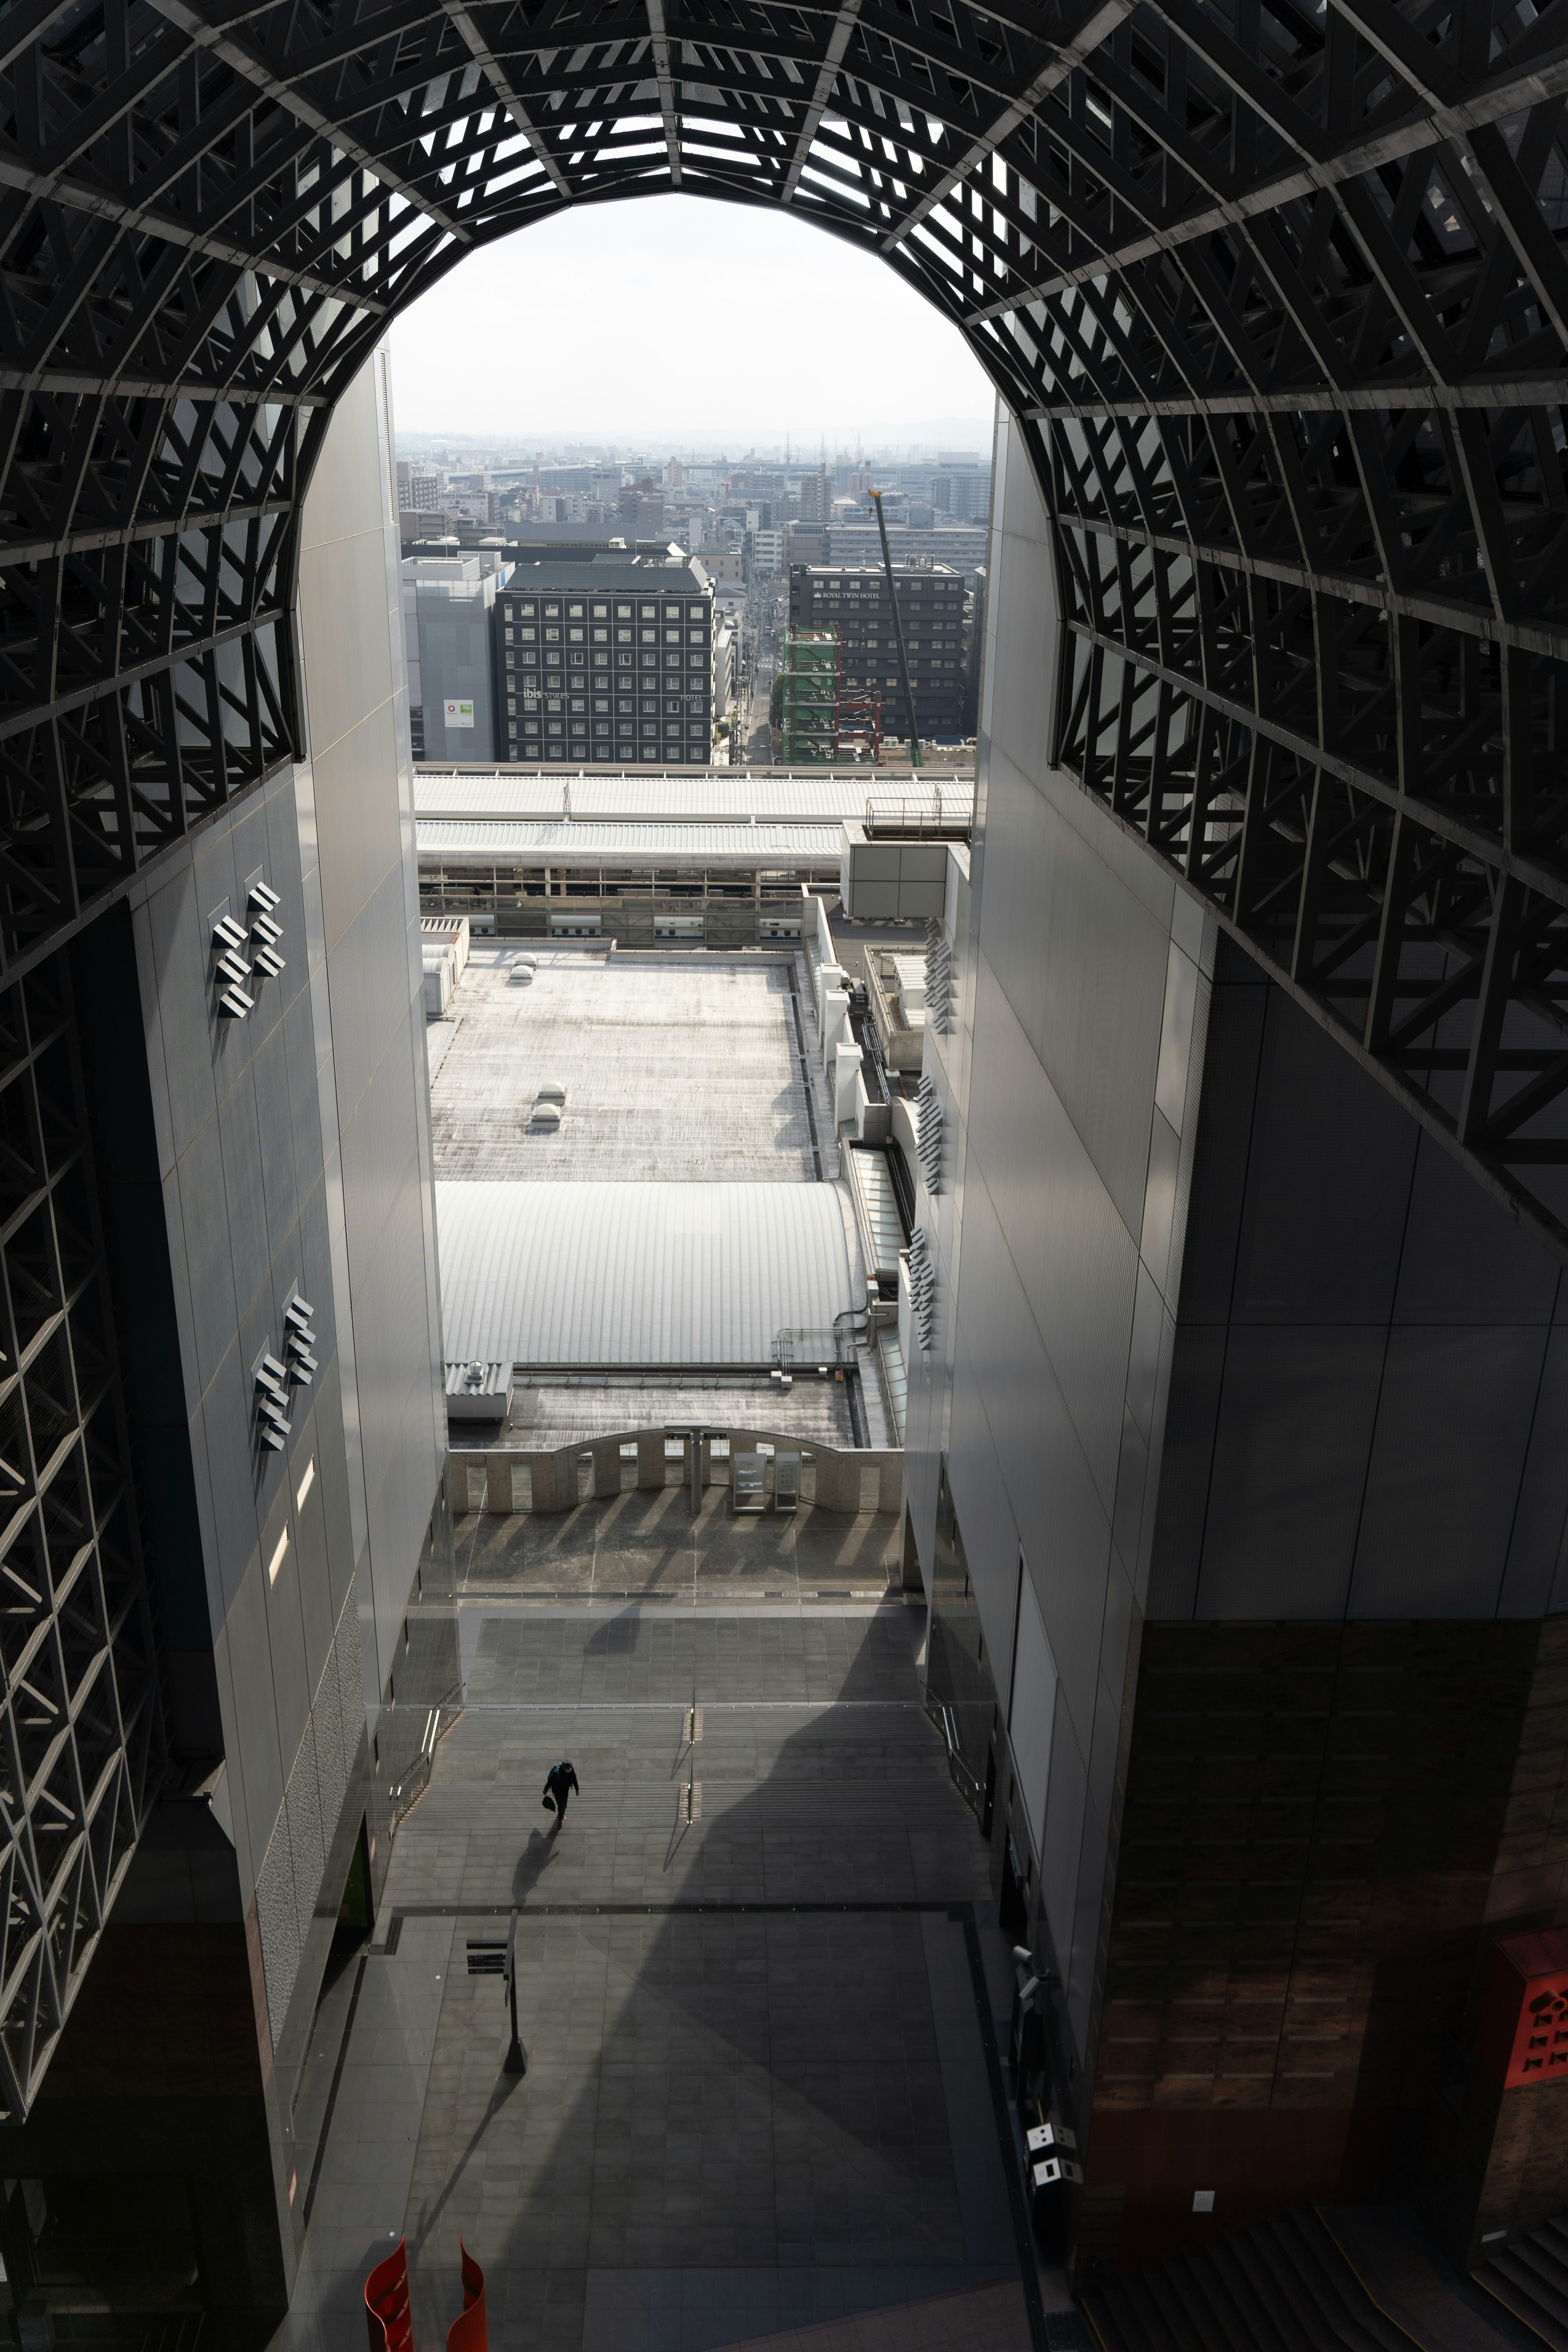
[923, 1287]
[928, 1133]
[939, 978]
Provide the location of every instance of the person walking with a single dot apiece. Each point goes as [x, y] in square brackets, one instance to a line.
[559, 1783]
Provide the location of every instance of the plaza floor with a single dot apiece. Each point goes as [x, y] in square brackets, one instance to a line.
[752, 1967]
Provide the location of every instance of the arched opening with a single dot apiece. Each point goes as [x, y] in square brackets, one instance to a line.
[1291, 392]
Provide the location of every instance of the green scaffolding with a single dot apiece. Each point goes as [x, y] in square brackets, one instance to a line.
[809, 717]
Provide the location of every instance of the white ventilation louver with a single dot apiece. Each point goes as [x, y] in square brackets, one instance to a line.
[231, 940]
[299, 1341]
[928, 1133]
[923, 1287]
[939, 978]
[272, 1420]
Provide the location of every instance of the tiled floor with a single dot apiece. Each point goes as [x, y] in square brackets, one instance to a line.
[735, 2121]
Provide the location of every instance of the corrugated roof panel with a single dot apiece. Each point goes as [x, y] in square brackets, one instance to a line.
[640, 842]
[636, 1276]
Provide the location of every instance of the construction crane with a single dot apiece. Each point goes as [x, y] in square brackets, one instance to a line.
[876, 499]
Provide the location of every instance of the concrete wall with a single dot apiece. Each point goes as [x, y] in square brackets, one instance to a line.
[844, 1478]
[1068, 1082]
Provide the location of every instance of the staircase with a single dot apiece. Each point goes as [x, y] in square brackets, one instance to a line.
[1530, 2278]
[1285, 2287]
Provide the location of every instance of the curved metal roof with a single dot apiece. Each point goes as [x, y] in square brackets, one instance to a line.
[636, 1276]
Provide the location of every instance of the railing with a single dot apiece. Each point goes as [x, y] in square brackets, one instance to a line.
[794, 1351]
[966, 1780]
[930, 812]
[405, 1793]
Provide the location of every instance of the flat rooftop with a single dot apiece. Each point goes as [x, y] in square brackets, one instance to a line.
[683, 1068]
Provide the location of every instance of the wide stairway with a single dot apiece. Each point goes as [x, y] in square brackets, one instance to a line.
[1530, 2278]
[1283, 2288]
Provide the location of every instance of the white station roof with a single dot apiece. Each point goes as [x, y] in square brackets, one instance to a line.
[723, 796]
[630, 1276]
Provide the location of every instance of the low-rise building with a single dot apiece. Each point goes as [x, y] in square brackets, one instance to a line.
[448, 639]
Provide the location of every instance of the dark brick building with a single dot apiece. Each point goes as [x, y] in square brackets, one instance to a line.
[854, 600]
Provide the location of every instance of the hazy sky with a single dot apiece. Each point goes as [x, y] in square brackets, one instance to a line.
[669, 314]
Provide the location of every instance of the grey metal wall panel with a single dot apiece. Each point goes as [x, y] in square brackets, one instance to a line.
[1187, 1470]
[1452, 1424]
[1536, 1543]
[1328, 1183]
[1089, 960]
[1234, 1055]
[1064, 1526]
[1073, 1256]
[990, 1531]
[1065, 1810]
[1297, 1405]
[1077, 1000]
[1458, 1267]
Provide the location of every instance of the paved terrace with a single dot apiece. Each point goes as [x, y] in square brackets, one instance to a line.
[758, 2097]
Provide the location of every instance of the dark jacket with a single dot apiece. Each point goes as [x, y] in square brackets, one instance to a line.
[562, 1779]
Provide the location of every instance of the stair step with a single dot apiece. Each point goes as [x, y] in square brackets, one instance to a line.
[1545, 2277]
[1221, 2310]
[1518, 2285]
[1335, 2288]
[1282, 2287]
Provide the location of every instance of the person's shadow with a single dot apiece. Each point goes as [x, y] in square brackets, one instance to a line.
[535, 1858]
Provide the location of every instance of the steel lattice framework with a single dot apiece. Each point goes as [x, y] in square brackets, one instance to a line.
[1278, 292]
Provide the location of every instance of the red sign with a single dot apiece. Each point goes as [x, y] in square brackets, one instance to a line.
[1523, 2037]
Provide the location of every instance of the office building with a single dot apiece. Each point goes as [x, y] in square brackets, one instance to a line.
[855, 604]
[608, 660]
[449, 604]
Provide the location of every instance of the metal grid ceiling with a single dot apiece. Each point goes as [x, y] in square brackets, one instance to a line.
[1279, 293]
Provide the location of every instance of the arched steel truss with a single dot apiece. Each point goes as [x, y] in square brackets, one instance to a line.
[1279, 292]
